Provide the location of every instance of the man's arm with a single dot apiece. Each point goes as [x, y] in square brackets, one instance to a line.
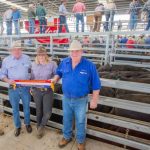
[11, 82]
[55, 79]
[94, 100]
[3, 74]
[96, 86]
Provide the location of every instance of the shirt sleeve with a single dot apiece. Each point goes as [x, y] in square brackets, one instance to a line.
[60, 9]
[84, 8]
[95, 79]
[54, 68]
[19, 15]
[59, 70]
[32, 74]
[73, 10]
[3, 71]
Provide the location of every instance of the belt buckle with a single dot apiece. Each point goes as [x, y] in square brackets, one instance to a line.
[43, 89]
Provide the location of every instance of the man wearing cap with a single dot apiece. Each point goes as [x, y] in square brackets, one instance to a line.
[17, 67]
[79, 77]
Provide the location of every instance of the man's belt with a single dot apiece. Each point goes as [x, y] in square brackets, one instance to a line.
[77, 97]
[43, 89]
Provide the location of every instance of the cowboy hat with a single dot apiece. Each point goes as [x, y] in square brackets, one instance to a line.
[16, 44]
[75, 45]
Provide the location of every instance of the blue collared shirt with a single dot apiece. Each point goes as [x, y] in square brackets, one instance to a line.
[79, 81]
[16, 69]
[62, 9]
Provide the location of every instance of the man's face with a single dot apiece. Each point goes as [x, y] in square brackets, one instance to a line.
[76, 55]
[16, 52]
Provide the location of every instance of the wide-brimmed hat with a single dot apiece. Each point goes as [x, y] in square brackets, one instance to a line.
[16, 44]
[75, 45]
[13, 7]
[41, 51]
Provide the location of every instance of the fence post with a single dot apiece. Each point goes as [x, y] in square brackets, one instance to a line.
[51, 46]
[107, 49]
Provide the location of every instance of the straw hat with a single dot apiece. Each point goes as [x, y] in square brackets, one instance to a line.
[13, 7]
[41, 51]
[110, 1]
[75, 45]
[16, 44]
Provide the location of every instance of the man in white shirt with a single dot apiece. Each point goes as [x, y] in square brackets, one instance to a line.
[8, 19]
[62, 18]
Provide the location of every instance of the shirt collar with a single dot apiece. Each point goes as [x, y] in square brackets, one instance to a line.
[15, 58]
[70, 60]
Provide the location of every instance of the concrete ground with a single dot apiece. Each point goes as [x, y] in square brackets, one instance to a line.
[49, 142]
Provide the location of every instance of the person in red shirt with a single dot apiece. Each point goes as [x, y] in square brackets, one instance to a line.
[79, 8]
[130, 43]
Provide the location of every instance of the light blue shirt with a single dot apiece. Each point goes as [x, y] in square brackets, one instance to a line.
[16, 69]
[62, 9]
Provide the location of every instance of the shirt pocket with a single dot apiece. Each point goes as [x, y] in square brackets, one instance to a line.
[66, 73]
[12, 67]
[83, 78]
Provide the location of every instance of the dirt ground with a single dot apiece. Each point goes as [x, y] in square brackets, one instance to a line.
[49, 142]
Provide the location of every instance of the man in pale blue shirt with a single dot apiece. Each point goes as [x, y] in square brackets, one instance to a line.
[17, 67]
[62, 18]
[16, 15]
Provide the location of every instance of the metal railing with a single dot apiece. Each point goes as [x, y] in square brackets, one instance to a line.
[89, 24]
[125, 122]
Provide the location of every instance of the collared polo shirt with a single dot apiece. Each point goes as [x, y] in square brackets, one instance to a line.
[16, 69]
[79, 81]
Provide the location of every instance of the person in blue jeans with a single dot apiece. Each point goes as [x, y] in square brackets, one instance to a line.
[146, 9]
[79, 18]
[109, 24]
[62, 18]
[31, 16]
[7, 17]
[16, 15]
[41, 13]
[134, 10]
[79, 77]
[17, 67]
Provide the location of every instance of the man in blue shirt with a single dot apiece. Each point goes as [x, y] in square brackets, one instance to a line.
[79, 76]
[17, 67]
[16, 15]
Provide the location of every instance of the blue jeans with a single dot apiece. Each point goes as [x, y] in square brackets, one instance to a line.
[109, 24]
[9, 27]
[43, 24]
[133, 21]
[75, 108]
[63, 21]
[148, 24]
[22, 93]
[17, 27]
[79, 17]
[31, 25]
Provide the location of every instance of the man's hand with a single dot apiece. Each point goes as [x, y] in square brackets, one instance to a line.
[55, 79]
[11, 82]
[94, 101]
[93, 104]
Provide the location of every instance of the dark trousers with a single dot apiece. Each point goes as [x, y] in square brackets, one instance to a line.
[63, 21]
[148, 24]
[43, 24]
[44, 104]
